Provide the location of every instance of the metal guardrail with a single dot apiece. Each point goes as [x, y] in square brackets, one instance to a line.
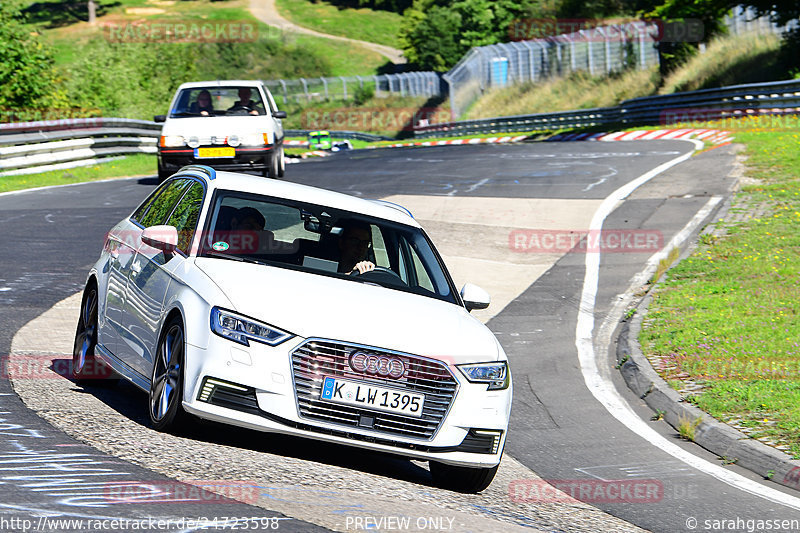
[38, 146]
[708, 104]
[340, 134]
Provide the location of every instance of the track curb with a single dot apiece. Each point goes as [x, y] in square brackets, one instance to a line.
[731, 445]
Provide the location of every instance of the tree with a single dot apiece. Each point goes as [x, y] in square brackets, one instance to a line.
[435, 34]
[28, 80]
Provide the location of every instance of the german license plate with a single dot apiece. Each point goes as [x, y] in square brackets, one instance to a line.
[206, 153]
[371, 396]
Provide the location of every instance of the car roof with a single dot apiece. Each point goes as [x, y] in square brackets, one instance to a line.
[220, 83]
[248, 183]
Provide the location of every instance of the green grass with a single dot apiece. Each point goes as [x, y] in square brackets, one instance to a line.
[728, 317]
[345, 59]
[363, 23]
[132, 165]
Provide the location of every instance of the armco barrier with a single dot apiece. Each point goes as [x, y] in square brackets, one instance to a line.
[37, 146]
[733, 101]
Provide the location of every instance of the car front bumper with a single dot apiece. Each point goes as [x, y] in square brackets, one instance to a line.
[255, 387]
[255, 158]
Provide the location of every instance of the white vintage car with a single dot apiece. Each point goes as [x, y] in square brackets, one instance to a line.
[228, 125]
[285, 308]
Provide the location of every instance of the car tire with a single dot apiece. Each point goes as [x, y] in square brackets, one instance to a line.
[271, 170]
[85, 368]
[282, 164]
[163, 174]
[465, 479]
[166, 382]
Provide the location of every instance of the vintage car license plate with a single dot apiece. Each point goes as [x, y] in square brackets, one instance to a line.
[205, 153]
[372, 397]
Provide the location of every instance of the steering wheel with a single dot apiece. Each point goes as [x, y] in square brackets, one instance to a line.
[380, 272]
[240, 110]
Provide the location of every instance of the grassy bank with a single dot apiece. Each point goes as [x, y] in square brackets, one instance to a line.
[361, 23]
[132, 165]
[723, 327]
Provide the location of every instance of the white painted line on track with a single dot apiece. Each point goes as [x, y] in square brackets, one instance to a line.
[599, 383]
[21, 191]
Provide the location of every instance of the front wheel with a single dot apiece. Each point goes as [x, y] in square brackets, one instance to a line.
[462, 478]
[166, 384]
[282, 164]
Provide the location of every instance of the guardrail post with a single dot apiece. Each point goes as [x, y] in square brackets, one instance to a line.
[344, 86]
[325, 84]
[285, 93]
[608, 55]
[377, 86]
[642, 57]
[305, 89]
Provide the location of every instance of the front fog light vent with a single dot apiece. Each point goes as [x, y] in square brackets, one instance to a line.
[212, 384]
[481, 441]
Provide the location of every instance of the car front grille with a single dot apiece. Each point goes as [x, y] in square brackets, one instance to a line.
[315, 359]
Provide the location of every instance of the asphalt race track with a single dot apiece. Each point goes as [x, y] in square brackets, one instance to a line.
[483, 205]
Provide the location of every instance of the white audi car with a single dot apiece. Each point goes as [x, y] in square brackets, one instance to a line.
[285, 308]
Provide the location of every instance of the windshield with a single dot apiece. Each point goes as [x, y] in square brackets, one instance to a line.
[218, 101]
[324, 241]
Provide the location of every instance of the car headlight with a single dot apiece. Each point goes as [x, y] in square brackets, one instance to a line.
[233, 140]
[256, 139]
[495, 374]
[171, 141]
[241, 329]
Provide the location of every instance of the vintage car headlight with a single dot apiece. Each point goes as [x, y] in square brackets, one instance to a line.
[495, 374]
[256, 139]
[233, 140]
[171, 141]
[241, 329]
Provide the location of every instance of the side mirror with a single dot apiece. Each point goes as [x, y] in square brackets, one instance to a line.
[160, 118]
[164, 238]
[279, 114]
[474, 297]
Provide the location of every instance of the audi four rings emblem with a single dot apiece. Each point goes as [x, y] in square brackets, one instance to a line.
[377, 365]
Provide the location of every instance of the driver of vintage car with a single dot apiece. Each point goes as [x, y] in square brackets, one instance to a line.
[244, 102]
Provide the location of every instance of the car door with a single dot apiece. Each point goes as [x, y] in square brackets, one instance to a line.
[150, 278]
[129, 346]
[121, 244]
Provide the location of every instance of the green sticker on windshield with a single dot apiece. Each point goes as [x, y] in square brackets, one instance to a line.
[220, 246]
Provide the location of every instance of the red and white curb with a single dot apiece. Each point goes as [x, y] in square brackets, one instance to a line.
[712, 136]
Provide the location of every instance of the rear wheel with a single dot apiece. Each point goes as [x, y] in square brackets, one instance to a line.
[166, 383]
[85, 367]
[462, 478]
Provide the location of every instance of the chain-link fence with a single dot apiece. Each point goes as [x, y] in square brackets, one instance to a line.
[744, 20]
[425, 84]
[598, 51]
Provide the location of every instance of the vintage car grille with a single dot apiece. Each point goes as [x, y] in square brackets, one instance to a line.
[315, 359]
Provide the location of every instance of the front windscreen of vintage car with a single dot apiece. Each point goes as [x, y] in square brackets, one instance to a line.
[242, 302]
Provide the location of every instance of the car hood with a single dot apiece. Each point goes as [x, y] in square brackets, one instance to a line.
[217, 126]
[311, 305]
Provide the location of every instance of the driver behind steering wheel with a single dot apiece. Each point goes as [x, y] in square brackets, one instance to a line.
[244, 101]
[354, 244]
